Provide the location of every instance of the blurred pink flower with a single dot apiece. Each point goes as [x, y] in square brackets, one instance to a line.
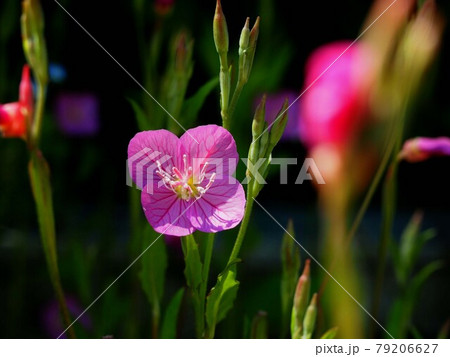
[333, 108]
[421, 149]
[190, 187]
[274, 103]
[13, 116]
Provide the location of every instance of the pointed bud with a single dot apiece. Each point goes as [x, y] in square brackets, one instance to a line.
[183, 53]
[220, 30]
[250, 53]
[33, 40]
[259, 325]
[300, 301]
[309, 322]
[16, 117]
[258, 126]
[421, 42]
[259, 118]
[290, 260]
[278, 126]
[245, 37]
[264, 142]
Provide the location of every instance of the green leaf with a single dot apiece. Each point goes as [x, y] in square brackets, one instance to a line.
[194, 266]
[421, 277]
[330, 334]
[290, 259]
[154, 265]
[194, 104]
[40, 183]
[221, 298]
[411, 243]
[141, 117]
[169, 326]
[403, 307]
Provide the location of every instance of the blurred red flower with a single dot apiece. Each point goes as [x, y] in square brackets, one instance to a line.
[13, 116]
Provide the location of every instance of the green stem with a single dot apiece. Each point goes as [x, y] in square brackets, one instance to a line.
[224, 77]
[207, 264]
[365, 205]
[243, 228]
[41, 89]
[156, 315]
[204, 285]
[388, 209]
[235, 98]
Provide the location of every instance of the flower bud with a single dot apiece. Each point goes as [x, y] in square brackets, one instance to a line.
[278, 126]
[421, 41]
[421, 149]
[300, 301]
[259, 119]
[183, 53]
[16, 117]
[310, 318]
[259, 325]
[33, 40]
[220, 30]
[244, 39]
[250, 52]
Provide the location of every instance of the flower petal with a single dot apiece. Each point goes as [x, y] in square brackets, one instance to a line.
[145, 149]
[220, 208]
[165, 212]
[212, 144]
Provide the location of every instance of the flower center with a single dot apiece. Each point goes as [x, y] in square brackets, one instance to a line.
[183, 183]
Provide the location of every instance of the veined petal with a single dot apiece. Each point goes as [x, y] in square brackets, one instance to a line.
[165, 212]
[212, 144]
[145, 149]
[220, 208]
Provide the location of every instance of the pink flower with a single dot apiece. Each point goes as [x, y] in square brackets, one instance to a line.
[333, 107]
[186, 182]
[420, 149]
[13, 116]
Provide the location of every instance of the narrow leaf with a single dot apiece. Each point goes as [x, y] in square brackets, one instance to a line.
[141, 117]
[169, 326]
[330, 334]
